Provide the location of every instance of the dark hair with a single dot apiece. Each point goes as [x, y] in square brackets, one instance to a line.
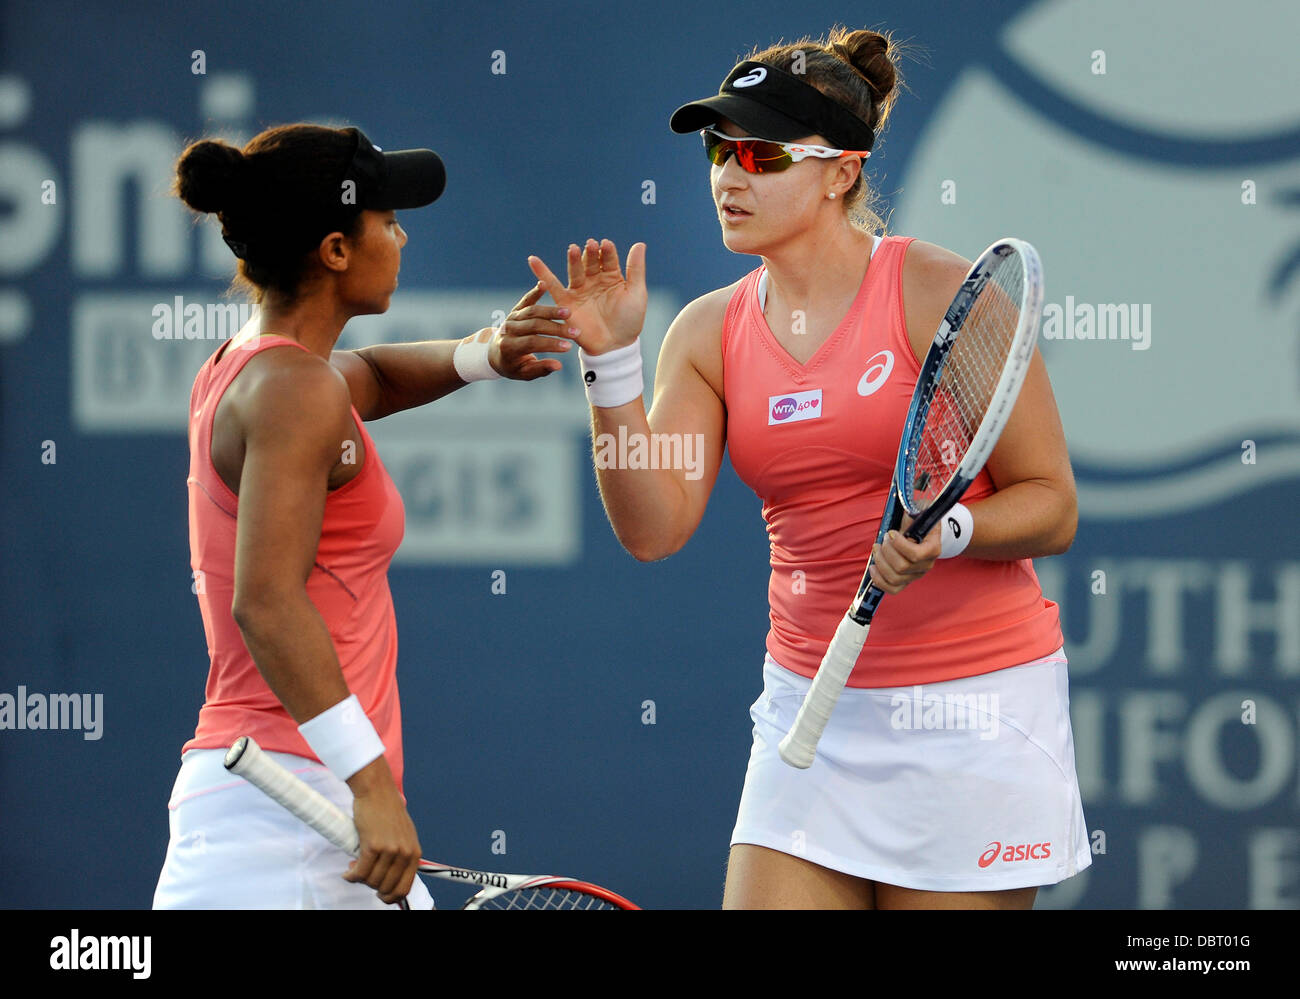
[278, 197]
[857, 69]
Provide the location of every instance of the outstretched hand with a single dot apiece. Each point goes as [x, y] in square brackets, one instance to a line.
[530, 329]
[606, 310]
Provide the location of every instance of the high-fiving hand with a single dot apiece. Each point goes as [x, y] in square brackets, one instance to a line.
[606, 310]
[529, 330]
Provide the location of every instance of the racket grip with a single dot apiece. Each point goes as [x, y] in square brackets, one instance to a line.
[247, 759]
[800, 745]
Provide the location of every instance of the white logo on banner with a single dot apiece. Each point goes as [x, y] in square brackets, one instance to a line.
[1159, 428]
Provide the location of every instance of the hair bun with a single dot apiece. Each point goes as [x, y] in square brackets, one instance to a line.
[868, 53]
[212, 176]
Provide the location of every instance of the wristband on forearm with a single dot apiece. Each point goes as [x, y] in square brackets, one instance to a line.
[958, 525]
[613, 378]
[343, 738]
[472, 356]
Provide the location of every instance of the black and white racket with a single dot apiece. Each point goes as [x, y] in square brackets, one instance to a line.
[497, 891]
[963, 398]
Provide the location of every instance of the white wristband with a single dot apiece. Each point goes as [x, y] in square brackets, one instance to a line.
[471, 358]
[613, 378]
[343, 738]
[958, 525]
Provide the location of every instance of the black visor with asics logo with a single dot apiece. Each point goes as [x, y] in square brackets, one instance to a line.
[770, 103]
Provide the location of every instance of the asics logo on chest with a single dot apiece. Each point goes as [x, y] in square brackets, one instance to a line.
[879, 367]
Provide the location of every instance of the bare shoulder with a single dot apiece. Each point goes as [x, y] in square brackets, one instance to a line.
[931, 277]
[292, 393]
[695, 336]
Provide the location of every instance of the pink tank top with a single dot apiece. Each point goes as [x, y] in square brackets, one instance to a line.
[363, 525]
[817, 443]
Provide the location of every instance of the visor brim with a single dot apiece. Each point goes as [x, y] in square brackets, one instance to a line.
[756, 119]
[416, 177]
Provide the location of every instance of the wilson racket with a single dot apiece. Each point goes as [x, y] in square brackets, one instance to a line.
[963, 398]
[497, 891]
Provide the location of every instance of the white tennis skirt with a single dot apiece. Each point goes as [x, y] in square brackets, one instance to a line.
[963, 785]
[232, 847]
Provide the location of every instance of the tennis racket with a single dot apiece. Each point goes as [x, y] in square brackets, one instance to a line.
[963, 398]
[498, 891]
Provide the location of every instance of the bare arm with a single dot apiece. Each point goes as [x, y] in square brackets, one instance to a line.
[388, 378]
[1034, 510]
[282, 490]
[654, 511]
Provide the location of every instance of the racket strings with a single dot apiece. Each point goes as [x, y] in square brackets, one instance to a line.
[957, 402]
[546, 898]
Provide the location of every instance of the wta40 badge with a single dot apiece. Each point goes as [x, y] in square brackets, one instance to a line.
[793, 407]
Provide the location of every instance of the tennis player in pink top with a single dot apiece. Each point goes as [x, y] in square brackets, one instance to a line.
[294, 519]
[946, 776]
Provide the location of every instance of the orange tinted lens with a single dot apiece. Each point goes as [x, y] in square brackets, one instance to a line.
[753, 155]
[758, 156]
[717, 148]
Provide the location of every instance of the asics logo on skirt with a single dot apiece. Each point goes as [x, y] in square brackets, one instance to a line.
[1013, 852]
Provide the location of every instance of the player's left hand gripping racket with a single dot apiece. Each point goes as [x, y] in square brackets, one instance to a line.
[963, 398]
[499, 891]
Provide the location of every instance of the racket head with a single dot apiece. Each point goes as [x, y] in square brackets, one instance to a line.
[969, 380]
[550, 893]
